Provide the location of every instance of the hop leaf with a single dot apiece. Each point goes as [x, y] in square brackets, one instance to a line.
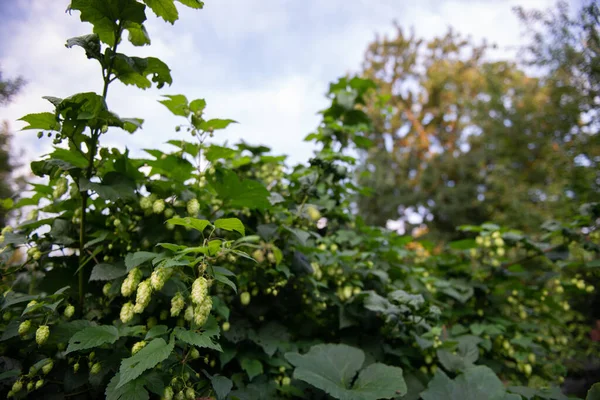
[41, 335]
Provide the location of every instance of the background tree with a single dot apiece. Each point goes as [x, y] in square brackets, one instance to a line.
[464, 139]
[8, 89]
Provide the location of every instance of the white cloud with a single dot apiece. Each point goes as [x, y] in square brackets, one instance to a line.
[265, 63]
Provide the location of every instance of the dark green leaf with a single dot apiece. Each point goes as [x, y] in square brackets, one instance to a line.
[136, 259]
[148, 357]
[133, 390]
[239, 194]
[107, 272]
[189, 222]
[93, 336]
[252, 367]
[90, 43]
[196, 339]
[230, 224]
[221, 385]
[45, 121]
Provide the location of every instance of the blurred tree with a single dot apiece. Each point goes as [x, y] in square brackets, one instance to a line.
[8, 89]
[464, 139]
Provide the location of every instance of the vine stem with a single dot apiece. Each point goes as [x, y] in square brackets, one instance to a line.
[90, 168]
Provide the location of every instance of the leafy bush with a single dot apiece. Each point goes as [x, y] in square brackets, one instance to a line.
[219, 271]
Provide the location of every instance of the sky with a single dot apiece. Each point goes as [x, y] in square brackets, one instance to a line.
[264, 63]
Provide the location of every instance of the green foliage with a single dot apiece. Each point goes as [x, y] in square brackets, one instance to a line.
[139, 278]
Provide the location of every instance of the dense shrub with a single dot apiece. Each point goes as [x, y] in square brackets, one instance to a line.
[220, 271]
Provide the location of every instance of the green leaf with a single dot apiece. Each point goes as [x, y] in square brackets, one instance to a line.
[177, 104]
[105, 14]
[192, 3]
[271, 337]
[189, 222]
[221, 385]
[466, 355]
[594, 392]
[114, 187]
[72, 157]
[593, 264]
[230, 224]
[90, 43]
[214, 153]
[476, 383]
[197, 106]
[138, 35]
[196, 339]
[45, 121]
[93, 336]
[332, 368]
[214, 124]
[135, 71]
[223, 279]
[156, 331]
[148, 357]
[164, 9]
[132, 124]
[380, 381]
[136, 259]
[133, 390]
[15, 372]
[252, 367]
[239, 194]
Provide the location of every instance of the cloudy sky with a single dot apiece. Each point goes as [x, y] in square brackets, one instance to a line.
[264, 63]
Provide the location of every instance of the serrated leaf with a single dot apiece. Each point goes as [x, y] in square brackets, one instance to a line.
[223, 279]
[93, 336]
[107, 272]
[251, 367]
[197, 105]
[189, 222]
[90, 43]
[148, 357]
[221, 385]
[45, 121]
[192, 3]
[239, 194]
[133, 390]
[135, 71]
[196, 339]
[475, 383]
[230, 224]
[136, 259]
[72, 157]
[215, 124]
[332, 368]
[177, 104]
[271, 337]
[594, 392]
[156, 331]
[138, 35]
[164, 9]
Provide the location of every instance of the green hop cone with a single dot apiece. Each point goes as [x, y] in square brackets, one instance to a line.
[158, 206]
[180, 396]
[159, 277]
[41, 334]
[168, 393]
[245, 298]
[48, 367]
[69, 311]
[30, 386]
[169, 212]
[193, 207]
[142, 299]
[24, 327]
[146, 203]
[96, 368]
[194, 354]
[226, 326]
[190, 394]
[17, 386]
[39, 383]
[106, 289]
[202, 311]
[177, 304]
[130, 283]
[126, 312]
[199, 290]
[76, 367]
[189, 313]
[60, 188]
[137, 347]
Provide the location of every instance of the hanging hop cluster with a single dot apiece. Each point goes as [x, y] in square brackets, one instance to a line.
[202, 301]
[177, 304]
[130, 283]
[142, 298]
[126, 312]
[193, 207]
[60, 188]
[159, 277]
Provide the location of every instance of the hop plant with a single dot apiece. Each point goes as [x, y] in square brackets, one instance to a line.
[199, 290]
[131, 282]
[24, 327]
[158, 206]
[39, 383]
[137, 347]
[193, 207]
[142, 299]
[126, 312]
[69, 311]
[177, 304]
[41, 334]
